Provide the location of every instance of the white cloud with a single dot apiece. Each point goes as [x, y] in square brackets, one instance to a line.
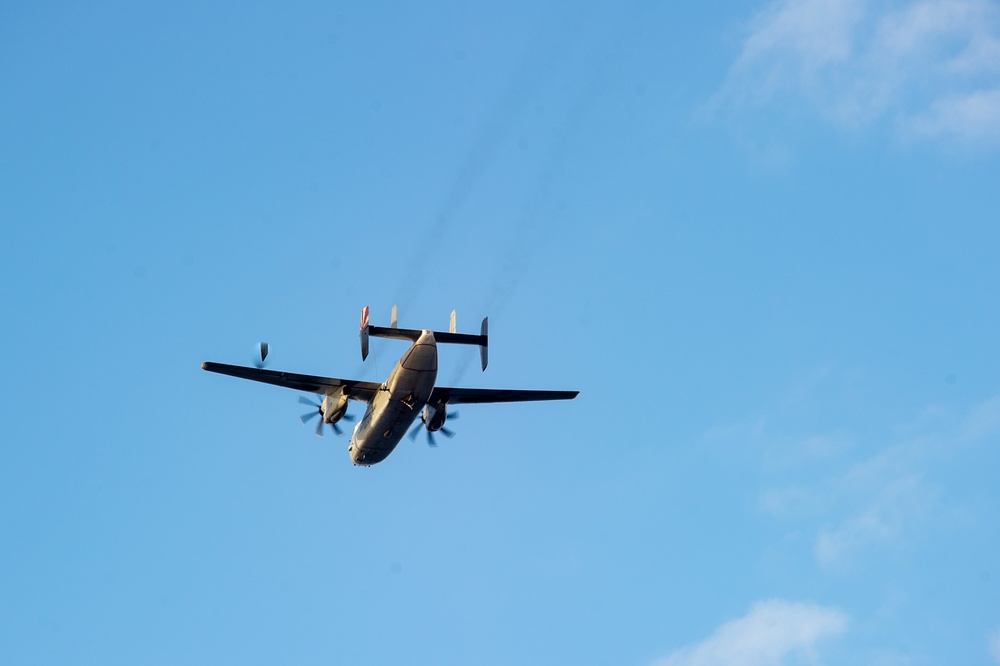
[970, 118]
[890, 512]
[984, 419]
[879, 501]
[771, 633]
[932, 66]
[824, 448]
[834, 546]
[994, 644]
[874, 502]
[791, 502]
[817, 32]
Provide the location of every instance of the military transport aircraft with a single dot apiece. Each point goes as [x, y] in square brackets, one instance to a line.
[393, 405]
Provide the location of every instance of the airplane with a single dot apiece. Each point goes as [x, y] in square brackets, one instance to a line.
[392, 406]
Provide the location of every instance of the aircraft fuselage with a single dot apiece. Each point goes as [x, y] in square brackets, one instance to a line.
[397, 403]
[392, 406]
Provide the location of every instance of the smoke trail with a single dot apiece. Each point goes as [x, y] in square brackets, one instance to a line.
[526, 237]
[534, 68]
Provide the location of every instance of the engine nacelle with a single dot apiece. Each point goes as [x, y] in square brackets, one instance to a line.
[334, 407]
[434, 416]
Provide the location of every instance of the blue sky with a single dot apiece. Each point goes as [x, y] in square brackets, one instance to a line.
[760, 239]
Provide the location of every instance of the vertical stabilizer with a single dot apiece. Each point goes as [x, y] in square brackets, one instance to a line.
[394, 322]
[483, 353]
[364, 333]
[452, 327]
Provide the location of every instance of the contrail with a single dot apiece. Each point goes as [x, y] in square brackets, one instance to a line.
[525, 237]
[534, 67]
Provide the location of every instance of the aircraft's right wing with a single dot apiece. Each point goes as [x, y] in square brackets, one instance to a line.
[354, 389]
[456, 396]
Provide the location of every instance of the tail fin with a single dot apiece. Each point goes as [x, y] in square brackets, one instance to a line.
[482, 340]
[364, 333]
[451, 337]
[483, 355]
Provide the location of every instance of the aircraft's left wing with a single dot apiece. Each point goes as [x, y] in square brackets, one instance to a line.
[455, 396]
[356, 390]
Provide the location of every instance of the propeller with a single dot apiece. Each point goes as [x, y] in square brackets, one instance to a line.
[447, 432]
[263, 356]
[318, 411]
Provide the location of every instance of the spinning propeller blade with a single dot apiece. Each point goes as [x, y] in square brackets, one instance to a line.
[447, 432]
[263, 356]
[319, 412]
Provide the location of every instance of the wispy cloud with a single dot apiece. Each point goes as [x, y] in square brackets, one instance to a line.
[855, 507]
[931, 66]
[894, 510]
[984, 419]
[994, 645]
[772, 632]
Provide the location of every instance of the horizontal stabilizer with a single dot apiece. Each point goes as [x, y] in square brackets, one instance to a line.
[412, 334]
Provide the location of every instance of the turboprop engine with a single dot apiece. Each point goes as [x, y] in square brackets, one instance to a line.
[332, 409]
[433, 418]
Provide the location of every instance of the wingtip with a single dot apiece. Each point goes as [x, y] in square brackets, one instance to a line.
[204, 366]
